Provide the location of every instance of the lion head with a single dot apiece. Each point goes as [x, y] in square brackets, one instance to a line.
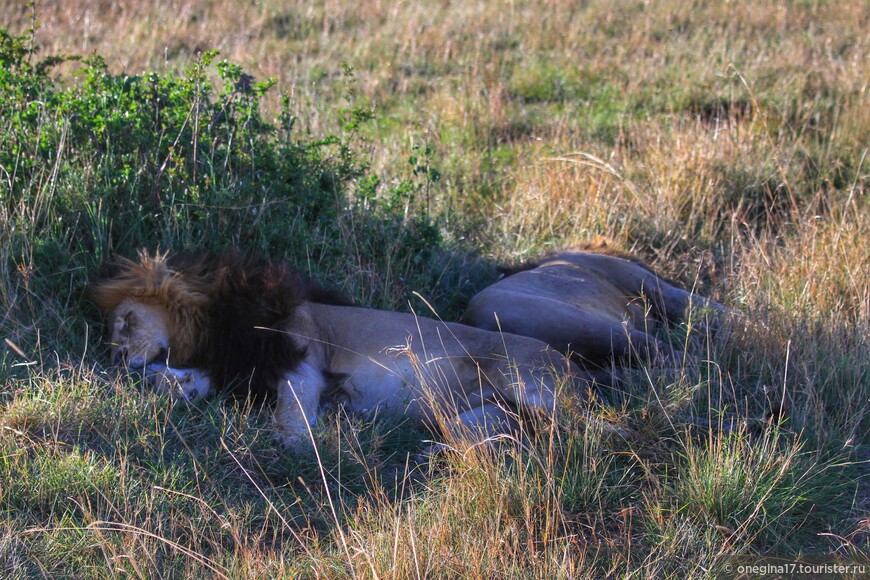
[153, 313]
[222, 314]
[139, 333]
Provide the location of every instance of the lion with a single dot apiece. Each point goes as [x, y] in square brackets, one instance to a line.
[198, 325]
[596, 304]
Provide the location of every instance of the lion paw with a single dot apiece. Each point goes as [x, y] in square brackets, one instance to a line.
[291, 441]
[189, 384]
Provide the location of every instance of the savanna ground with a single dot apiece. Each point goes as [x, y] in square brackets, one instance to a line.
[405, 149]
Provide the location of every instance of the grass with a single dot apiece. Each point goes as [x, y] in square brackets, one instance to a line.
[408, 150]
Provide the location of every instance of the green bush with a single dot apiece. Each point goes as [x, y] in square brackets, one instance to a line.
[96, 164]
[165, 158]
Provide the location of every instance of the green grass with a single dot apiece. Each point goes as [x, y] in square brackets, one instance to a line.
[408, 150]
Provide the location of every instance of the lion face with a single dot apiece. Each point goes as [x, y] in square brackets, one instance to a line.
[140, 334]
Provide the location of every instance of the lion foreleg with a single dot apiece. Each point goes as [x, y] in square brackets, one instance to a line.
[298, 398]
[190, 384]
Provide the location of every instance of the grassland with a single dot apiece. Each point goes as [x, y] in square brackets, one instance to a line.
[411, 147]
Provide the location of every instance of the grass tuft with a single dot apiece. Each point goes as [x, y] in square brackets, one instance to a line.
[400, 153]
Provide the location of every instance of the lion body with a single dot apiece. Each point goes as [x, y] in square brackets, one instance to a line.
[599, 306]
[234, 323]
[419, 368]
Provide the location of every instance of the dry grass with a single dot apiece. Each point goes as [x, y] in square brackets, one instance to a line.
[724, 142]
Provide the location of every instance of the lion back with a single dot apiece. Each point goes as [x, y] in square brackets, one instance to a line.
[599, 246]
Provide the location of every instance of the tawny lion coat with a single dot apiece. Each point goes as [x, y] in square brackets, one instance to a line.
[596, 304]
[230, 322]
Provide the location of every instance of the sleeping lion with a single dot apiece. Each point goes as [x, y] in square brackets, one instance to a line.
[596, 304]
[199, 324]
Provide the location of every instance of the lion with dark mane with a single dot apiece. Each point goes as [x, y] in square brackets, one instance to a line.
[200, 323]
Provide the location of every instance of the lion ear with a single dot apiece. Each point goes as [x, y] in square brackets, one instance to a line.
[122, 323]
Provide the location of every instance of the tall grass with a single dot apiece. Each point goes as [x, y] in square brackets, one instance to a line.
[406, 149]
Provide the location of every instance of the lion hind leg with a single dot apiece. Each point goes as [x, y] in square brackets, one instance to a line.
[630, 345]
[483, 424]
[677, 305]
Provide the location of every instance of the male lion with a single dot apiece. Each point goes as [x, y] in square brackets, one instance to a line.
[192, 324]
[590, 301]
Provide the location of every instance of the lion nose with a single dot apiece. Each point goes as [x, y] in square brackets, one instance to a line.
[136, 363]
[122, 358]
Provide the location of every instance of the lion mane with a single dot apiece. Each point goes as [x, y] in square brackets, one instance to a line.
[224, 310]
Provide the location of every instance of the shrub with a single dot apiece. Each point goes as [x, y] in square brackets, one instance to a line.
[96, 164]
